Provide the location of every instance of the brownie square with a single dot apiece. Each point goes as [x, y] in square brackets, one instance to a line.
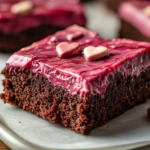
[77, 93]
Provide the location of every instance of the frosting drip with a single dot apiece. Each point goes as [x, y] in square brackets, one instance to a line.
[75, 73]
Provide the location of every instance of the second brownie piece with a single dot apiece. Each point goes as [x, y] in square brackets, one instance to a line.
[113, 4]
[135, 20]
[79, 94]
[24, 22]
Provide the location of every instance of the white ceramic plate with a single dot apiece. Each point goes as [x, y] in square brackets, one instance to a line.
[130, 130]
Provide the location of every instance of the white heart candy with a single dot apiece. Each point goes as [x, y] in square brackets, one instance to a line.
[93, 53]
[22, 8]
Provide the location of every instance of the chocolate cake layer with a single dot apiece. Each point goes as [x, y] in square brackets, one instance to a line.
[12, 42]
[36, 94]
[135, 34]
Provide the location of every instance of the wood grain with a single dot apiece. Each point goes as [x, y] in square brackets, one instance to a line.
[3, 146]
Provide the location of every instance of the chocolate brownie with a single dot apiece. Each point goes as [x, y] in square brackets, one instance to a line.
[135, 25]
[113, 4]
[24, 22]
[79, 94]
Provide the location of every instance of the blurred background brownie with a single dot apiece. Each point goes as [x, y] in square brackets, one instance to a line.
[113, 4]
[135, 23]
[24, 22]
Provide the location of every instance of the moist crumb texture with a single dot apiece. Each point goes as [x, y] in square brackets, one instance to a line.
[34, 93]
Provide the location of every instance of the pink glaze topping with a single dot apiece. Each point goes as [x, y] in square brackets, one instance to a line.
[75, 73]
[61, 13]
[132, 12]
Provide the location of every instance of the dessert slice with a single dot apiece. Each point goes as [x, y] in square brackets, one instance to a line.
[68, 89]
[23, 22]
[135, 17]
[113, 4]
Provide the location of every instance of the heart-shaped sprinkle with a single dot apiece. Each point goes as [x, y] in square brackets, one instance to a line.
[74, 35]
[93, 53]
[65, 49]
[146, 10]
[22, 8]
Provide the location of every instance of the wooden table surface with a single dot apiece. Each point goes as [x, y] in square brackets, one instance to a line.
[3, 146]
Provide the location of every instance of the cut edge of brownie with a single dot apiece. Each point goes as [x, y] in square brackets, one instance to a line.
[34, 93]
[135, 34]
[12, 42]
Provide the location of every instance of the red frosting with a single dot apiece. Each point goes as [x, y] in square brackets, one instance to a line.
[132, 12]
[61, 13]
[75, 73]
